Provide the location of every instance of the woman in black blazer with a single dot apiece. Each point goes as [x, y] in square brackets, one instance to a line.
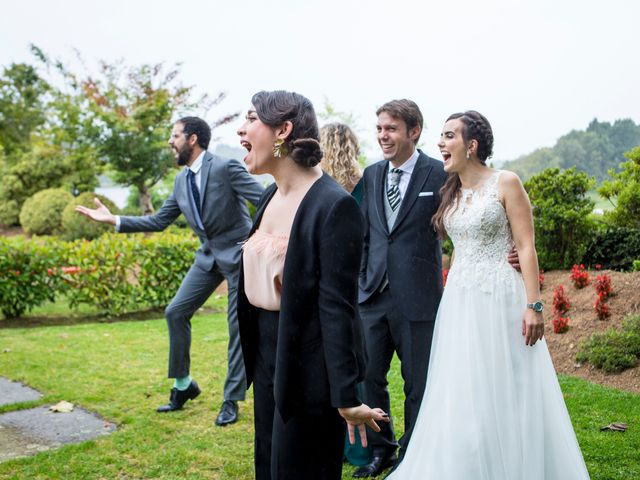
[297, 298]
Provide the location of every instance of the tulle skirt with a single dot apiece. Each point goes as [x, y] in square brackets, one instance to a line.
[493, 408]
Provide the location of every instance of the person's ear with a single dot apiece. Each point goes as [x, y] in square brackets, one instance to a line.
[414, 133]
[472, 148]
[284, 130]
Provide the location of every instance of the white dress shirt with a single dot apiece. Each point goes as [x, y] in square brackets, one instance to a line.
[407, 169]
[195, 167]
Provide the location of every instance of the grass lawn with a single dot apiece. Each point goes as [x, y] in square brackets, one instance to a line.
[118, 371]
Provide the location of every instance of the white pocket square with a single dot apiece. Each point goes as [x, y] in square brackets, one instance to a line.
[425, 194]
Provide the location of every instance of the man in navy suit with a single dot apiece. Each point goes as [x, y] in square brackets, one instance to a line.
[401, 276]
[210, 192]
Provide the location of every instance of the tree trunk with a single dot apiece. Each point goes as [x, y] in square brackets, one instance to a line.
[145, 200]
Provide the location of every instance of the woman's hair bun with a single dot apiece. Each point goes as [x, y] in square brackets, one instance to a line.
[306, 151]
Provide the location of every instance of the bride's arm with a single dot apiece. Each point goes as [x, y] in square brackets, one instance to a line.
[518, 208]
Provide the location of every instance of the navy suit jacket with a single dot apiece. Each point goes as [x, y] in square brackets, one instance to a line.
[410, 253]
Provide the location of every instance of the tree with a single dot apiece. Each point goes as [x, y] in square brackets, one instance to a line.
[41, 135]
[623, 191]
[31, 171]
[561, 213]
[22, 107]
[594, 151]
[127, 113]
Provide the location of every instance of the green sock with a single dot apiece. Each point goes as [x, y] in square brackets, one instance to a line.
[182, 383]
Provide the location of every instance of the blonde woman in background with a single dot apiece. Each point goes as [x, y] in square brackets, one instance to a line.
[341, 152]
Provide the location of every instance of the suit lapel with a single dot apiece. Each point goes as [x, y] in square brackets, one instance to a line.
[418, 177]
[204, 178]
[379, 193]
[182, 185]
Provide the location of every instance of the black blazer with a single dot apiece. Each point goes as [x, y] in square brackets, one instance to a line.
[319, 351]
[410, 253]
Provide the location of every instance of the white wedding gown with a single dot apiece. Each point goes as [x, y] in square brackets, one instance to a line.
[492, 408]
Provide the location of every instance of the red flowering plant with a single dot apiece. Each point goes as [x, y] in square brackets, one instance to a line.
[604, 289]
[601, 308]
[579, 276]
[561, 306]
[560, 324]
[445, 274]
[561, 303]
[541, 278]
[603, 286]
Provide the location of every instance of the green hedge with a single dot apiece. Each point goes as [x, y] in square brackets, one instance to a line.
[615, 248]
[28, 273]
[115, 273]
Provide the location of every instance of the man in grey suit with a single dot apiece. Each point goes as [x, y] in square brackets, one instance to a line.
[210, 192]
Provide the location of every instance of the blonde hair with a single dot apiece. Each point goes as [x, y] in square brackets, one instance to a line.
[341, 151]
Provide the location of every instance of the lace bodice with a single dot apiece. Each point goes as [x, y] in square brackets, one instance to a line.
[479, 229]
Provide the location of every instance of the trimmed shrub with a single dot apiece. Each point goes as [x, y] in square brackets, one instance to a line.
[9, 212]
[561, 215]
[613, 350]
[115, 273]
[119, 273]
[102, 273]
[29, 275]
[41, 214]
[163, 261]
[615, 248]
[76, 226]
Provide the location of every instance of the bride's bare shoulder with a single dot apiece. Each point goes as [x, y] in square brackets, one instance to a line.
[510, 186]
[509, 179]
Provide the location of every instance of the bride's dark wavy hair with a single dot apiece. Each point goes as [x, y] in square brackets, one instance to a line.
[475, 127]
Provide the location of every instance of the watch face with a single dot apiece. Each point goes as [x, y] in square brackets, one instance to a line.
[538, 306]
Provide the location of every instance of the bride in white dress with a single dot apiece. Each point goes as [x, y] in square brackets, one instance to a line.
[492, 408]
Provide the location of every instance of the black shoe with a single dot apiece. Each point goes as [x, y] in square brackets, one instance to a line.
[228, 413]
[179, 397]
[378, 463]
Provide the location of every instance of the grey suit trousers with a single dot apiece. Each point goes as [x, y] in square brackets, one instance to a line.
[196, 287]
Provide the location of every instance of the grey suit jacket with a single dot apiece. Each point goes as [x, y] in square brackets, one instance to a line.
[224, 186]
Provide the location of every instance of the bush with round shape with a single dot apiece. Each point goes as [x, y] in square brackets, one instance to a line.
[41, 214]
[76, 226]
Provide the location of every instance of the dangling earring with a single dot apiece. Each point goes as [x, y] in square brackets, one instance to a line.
[279, 150]
[467, 154]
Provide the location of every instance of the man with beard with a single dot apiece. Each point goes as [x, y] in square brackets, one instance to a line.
[210, 192]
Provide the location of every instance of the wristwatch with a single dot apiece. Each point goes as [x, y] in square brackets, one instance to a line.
[536, 306]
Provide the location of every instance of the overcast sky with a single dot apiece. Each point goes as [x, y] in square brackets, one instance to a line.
[536, 68]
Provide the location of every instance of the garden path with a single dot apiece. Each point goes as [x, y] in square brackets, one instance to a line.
[27, 432]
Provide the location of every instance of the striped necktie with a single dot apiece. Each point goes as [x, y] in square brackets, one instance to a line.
[393, 190]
